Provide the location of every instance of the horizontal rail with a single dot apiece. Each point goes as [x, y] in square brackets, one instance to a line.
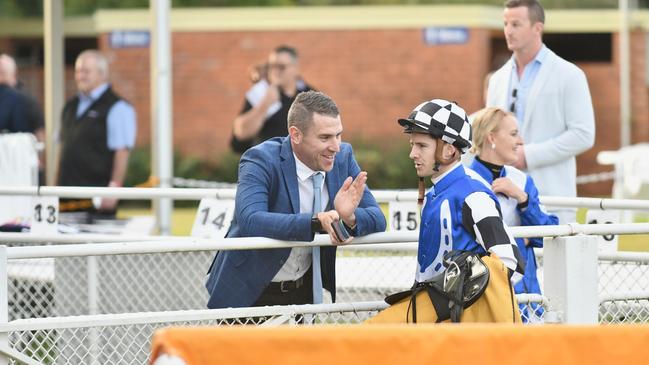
[382, 196]
[108, 320]
[191, 244]
[121, 193]
[639, 257]
[532, 298]
[634, 295]
[165, 245]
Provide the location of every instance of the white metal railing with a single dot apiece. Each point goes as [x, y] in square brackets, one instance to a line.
[382, 196]
[107, 320]
[175, 243]
[163, 244]
[578, 253]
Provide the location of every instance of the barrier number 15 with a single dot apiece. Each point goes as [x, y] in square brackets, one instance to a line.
[410, 223]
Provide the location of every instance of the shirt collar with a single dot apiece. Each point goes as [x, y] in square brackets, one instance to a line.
[443, 181]
[95, 93]
[304, 172]
[539, 58]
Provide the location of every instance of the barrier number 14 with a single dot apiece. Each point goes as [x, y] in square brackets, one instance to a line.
[217, 221]
[213, 218]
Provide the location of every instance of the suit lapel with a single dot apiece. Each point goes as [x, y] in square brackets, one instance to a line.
[504, 86]
[500, 87]
[541, 78]
[290, 174]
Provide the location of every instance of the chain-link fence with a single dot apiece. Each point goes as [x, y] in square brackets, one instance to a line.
[126, 339]
[624, 289]
[174, 281]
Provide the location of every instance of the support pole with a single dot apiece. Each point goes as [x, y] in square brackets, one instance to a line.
[570, 279]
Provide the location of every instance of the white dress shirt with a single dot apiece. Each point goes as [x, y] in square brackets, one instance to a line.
[299, 260]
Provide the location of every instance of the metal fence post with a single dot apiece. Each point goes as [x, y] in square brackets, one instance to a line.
[4, 301]
[93, 306]
[570, 279]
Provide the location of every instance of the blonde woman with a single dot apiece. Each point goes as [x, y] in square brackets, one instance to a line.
[495, 145]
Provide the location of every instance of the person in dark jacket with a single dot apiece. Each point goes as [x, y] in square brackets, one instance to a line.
[97, 131]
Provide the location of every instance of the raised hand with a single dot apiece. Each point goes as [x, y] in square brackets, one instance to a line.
[349, 196]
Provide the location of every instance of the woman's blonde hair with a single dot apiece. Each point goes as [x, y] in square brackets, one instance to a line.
[486, 121]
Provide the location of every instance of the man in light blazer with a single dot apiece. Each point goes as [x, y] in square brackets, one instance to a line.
[550, 99]
[276, 198]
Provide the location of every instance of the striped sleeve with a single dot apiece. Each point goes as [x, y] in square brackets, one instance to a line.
[481, 217]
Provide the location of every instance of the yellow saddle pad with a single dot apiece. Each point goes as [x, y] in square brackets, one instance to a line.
[497, 304]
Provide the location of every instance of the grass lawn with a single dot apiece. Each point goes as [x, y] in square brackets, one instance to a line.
[183, 219]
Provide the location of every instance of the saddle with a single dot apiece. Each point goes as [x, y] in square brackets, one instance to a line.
[463, 281]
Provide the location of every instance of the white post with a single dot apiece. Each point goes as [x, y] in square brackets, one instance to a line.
[93, 306]
[570, 279]
[4, 301]
[54, 82]
[161, 111]
[625, 75]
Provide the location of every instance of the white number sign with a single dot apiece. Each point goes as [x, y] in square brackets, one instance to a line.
[45, 215]
[213, 218]
[404, 216]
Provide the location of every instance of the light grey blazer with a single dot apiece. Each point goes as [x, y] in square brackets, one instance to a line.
[559, 123]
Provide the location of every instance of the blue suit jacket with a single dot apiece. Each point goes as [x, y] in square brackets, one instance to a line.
[267, 205]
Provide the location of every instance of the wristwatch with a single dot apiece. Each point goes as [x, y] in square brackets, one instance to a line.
[316, 226]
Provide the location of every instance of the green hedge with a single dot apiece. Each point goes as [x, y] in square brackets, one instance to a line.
[387, 167]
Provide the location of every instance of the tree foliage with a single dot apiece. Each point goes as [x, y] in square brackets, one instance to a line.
[34, 8]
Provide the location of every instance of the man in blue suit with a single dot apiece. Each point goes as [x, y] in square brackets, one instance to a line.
[282, 182]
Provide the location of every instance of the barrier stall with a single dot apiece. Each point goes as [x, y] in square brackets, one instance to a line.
[403, 344]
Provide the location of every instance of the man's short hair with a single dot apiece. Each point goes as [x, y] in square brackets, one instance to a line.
[291, 51]
[102, 61]
[306, 104]
[534, 9]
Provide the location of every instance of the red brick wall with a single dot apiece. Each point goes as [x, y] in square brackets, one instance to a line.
[375, 76]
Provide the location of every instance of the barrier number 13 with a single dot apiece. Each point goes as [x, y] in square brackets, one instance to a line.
[45, 215]
[49, 216]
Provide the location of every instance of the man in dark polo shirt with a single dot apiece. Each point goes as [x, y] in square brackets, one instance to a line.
[97, 132]
[266, 106]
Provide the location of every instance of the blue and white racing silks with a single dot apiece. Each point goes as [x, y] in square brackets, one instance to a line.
[534, 214]
[462, 213]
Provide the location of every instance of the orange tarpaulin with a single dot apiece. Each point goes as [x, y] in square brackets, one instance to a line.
[406, 344]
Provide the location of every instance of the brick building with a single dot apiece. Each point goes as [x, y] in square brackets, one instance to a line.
[377, 62]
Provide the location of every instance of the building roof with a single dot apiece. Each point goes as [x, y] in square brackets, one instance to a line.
[326, 18]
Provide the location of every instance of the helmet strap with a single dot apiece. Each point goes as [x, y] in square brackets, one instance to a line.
[439, 155]
[421, 194]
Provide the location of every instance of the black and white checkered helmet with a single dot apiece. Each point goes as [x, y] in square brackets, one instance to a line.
[441, 119]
